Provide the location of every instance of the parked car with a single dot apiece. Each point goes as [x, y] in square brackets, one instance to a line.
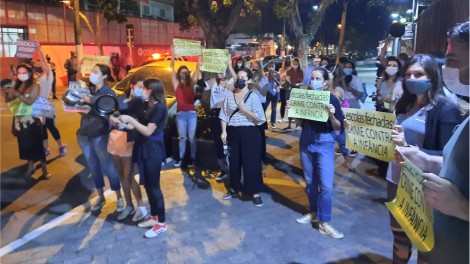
[162, 71]
[161, 57]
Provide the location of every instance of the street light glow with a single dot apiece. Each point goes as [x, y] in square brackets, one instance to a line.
[315, 7]
[394, 15]
[409, 11]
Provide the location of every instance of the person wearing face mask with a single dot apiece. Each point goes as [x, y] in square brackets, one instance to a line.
[186, 116]
[272, 97]
[259, 87]
[389, 88]
[52, 66]
[93, 136]
[238, 65]
[45, 79]
[120, 145]
[353, 88]
[446, 182]
[317, 156]
[294, 77]
[149, 152]
[426, 119]
[324, 62]
[286, 65]
[28, 129]
[240, 115]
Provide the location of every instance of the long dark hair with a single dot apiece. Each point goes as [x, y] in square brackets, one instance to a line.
[28, 82]
[431, 68]
[182, 67]
[397, 75]
[298, 62]
[105, 70]
[324, 72]
[157, 91]
[133, 81]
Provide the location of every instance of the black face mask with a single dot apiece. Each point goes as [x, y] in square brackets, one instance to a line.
[38, 69]
[240, 84]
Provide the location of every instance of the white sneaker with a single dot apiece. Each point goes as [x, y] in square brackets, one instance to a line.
[149, 221]
[140, 213]
[120, 205]
[329, 230]
[124, 214]
[156, 230]
[308, 218]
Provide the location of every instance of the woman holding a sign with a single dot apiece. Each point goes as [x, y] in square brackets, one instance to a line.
[240, 115]
[317, 156]
[426, 118]
[26, 128]
[186, 116]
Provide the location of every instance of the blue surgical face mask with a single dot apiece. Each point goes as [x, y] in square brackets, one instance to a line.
[138, 92]
[316, 85]
[95, 78]
[348, 71]
[418, 86]
[240, 84]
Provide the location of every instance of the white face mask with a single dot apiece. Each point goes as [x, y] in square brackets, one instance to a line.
[295, 66]
[23, 77]
[452, 81]
[271, 68]
[391, 70]
[95, 78]
[239, 65]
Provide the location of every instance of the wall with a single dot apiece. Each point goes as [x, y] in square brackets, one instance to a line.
[52, 27]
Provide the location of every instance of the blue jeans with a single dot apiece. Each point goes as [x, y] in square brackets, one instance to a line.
[318, 163]
[341, 139]
[99, 161]
[273, 99]
[186, 123]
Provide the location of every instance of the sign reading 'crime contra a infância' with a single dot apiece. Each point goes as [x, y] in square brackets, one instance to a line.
[308, 104]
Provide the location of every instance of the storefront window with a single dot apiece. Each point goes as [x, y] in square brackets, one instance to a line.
[9, 36]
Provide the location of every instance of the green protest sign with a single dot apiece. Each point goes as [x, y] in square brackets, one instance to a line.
[184, 47]
[309, 104]
[370, 133]
[214, 60]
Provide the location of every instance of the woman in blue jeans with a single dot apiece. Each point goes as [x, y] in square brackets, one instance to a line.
[92, 136]
[317, 156]
[186, 116]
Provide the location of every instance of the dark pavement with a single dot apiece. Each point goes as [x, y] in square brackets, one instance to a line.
[48, 221]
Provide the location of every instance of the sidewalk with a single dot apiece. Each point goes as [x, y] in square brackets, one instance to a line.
[203, 228]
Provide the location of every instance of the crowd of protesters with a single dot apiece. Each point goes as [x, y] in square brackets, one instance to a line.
[428, 95]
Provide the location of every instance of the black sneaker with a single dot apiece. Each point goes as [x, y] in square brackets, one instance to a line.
[229, 195]
[257, 201]
[352, 153]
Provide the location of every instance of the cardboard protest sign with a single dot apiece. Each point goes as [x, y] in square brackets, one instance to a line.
[89, 62]
[370, 133]
[18, 108]
[185, 47]
[414, 215]
[309, 104]
[84, 91]
[214, 60]
[25, 48]
[42, 107]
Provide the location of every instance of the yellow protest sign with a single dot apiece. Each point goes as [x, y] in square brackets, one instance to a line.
[89, 62]
[309, 104]
[414, 215]
[185, 47]
[214, 60]
[370, 133]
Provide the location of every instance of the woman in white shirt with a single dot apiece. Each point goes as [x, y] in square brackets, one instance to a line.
[240, 115]
[389, 88]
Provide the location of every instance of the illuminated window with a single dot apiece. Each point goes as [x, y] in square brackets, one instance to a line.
[9, 36]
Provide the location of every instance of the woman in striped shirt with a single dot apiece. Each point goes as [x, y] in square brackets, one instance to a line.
[240, 115]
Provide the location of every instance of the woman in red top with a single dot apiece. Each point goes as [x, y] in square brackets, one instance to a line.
[186, 117]
[295, 77]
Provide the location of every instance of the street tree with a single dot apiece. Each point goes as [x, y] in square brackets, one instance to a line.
[216, 18]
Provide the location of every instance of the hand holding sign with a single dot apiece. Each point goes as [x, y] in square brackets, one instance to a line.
[308, 104]
[26, 48]
[398, 136]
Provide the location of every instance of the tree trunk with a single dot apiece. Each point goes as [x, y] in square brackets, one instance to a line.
[215, 39]
[302, 39]
[341, 33]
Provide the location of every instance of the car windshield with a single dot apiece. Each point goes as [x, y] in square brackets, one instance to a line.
[147, 72]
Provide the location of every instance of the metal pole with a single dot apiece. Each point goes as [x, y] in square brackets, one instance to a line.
[282, 53]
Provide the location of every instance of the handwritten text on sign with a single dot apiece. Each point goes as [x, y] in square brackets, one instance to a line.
[309, 104]
[25, 48]
[214, 60]
[414, 215]
[370, 133]
[89, 62]
[184, 47]
[42, 107]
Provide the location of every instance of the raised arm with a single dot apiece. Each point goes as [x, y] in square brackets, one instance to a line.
[197, 73]
[230, 68]
[384, 51]
[44, 65]
[174, 80]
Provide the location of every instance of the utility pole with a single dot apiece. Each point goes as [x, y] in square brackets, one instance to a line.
[282, 53]
[77, 30]
[341, 33]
